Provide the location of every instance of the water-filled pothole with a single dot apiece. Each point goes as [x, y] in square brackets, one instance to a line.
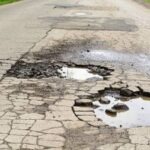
[78, 73]
[120, 110]
[119, 107]
[23, 69]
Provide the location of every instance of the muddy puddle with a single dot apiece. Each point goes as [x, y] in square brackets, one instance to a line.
[123, 112]
[78, 73]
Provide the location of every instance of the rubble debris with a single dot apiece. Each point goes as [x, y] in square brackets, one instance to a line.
[45, 69]
[111, 112]
[120, 107]
[126, 92]
[104, 100]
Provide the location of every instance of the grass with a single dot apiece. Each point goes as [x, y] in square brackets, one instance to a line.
[2, 2]
[147, 1]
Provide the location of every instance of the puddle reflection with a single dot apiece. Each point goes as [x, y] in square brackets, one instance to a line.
[137, 115]
[78, 73]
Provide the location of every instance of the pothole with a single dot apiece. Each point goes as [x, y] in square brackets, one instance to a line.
[55, 61]
[132, 113]
[79, 73]
[120, 108]
[66, 70]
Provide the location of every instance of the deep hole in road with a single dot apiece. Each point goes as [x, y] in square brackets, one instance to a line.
[121, 108]
[40, 70]
[81, 60]
[55, 61]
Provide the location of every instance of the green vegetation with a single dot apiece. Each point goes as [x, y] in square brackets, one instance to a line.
[2, 2]
[147, 1]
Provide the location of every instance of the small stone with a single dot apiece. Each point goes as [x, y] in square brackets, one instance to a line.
[96, 104]
[111, 112]
[104, 100]
[133, 88]
[124, 99]
[126, 92]
[120, 107]
[83, 102]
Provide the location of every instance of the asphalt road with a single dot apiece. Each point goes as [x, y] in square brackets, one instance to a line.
[25, 23]
[51, 112]
[21, 26]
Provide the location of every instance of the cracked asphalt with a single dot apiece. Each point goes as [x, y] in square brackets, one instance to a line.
[41, 113]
